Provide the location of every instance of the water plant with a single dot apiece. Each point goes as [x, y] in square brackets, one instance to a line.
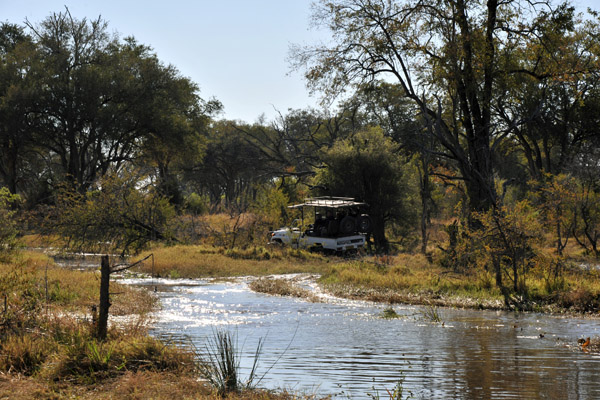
[220, 364]
[397, 393]
[281, 287]
[431, 313]
[389, 313]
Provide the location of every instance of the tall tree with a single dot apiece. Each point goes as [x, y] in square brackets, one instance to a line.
[74, 92]
[230, 167]
[293, 144]
[553, 111]
[382, 104]
[101, 102]
[172, 119]
[444, 54]
[16, 105]
[366, 166]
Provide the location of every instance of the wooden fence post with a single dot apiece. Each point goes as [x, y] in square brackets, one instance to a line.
[104, 298]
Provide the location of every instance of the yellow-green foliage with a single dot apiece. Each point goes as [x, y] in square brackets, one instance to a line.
[409, 273]
[271, 205]
[207, 261]
[230, 231]
[8, 230]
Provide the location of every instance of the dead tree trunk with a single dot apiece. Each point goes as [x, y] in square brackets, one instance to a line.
[105, 271]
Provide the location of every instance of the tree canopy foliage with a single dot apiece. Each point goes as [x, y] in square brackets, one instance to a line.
[82, 103]
[118, 216]
[366, 166]
[458, 62]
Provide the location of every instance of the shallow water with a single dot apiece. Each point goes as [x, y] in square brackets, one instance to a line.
[346, 349]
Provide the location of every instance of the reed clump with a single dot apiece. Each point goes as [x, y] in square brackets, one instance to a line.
[220, 364]
[281, 287]
[431, 313]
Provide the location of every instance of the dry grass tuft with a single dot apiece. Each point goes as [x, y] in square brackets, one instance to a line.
[24, 354]
[281, 287]
[130, 385]
[206, 261]
[86, 360]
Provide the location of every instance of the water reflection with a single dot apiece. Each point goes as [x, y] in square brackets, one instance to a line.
[345, 346]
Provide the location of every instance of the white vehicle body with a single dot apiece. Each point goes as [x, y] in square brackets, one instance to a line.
[341, 228]
[297, 239]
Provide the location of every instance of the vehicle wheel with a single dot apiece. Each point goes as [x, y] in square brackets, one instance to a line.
[348, 224]
[365, 224]
[317, 248]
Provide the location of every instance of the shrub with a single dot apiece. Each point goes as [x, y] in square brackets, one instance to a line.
[8, 230]
[580, 300]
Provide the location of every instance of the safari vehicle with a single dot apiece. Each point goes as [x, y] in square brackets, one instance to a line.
[338, 225]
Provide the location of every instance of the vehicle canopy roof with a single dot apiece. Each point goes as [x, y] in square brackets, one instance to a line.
[329, 202]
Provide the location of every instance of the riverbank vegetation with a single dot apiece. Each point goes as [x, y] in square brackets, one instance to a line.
[401, 278]
[48, 346]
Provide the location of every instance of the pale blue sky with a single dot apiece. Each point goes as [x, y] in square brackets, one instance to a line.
[235, 50]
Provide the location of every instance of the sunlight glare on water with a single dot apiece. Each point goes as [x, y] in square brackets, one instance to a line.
[346, 349]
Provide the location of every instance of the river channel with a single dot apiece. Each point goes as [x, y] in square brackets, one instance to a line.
[346, 349]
